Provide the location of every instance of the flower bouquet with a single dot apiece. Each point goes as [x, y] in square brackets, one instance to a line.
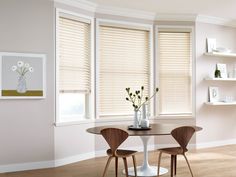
[137, 99]
[22, 69]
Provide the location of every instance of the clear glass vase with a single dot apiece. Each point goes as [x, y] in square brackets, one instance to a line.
[144, 123]
[21, 86]
[136, 119]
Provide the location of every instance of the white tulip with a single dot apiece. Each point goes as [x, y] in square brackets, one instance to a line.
[31, 69]
[27, 65]
[20, 64]
[14, 68]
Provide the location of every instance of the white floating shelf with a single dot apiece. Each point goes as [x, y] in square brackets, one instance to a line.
[218, 54]
[220, 103]
[220, 79]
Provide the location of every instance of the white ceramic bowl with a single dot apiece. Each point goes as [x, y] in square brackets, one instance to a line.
[222, 50]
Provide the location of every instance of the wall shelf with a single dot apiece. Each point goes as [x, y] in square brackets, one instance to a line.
[220, 103]
[212, 79]
[220, 79]
[218, 54]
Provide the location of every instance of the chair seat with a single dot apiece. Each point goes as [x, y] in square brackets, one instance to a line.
[121, 152]
[173, 150]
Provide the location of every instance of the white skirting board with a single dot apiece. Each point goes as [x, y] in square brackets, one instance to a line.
[26, 166]
[85, 156]
[215, 144]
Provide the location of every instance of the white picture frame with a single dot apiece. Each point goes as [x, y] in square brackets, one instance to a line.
[22, 76]
[211, 44]
[223, 70]
[213, 94]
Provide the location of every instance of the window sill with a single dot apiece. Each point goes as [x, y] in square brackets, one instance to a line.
[121, 120]
[174, 117]
[62, 124]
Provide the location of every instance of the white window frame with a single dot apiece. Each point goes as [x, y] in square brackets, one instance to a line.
[190, 29]
[89, 100]
[131, 25]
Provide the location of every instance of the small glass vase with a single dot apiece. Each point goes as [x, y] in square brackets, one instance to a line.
[144, 121]
[21, 85]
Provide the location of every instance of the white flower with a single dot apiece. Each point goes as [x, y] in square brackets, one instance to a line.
[20, 64]
[14, 68]
[27, 65]
[31, 69]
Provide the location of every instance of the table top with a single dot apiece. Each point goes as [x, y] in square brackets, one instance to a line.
[156, 129]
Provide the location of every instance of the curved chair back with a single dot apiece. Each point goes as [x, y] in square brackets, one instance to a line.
[183, 135]
[114, 137]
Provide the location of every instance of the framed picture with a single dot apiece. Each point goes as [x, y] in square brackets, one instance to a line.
[213, 94]
[22, 76]
[211, 44]
[223, 70]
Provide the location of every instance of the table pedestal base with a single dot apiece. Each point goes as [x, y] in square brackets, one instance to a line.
[146, 172]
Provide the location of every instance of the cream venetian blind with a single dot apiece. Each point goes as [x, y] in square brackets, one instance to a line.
[175, 72]
[124, 62]
[74, 55]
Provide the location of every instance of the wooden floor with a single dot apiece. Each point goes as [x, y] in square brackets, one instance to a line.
[212, 162]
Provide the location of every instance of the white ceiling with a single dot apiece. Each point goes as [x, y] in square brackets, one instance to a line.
[216, 8]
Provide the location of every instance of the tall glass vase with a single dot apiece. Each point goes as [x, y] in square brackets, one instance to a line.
[136, 119]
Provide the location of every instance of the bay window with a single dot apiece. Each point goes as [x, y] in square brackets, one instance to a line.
[92, 84]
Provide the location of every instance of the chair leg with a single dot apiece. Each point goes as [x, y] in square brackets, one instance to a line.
[188, 164]
[108, 162]
[175, 162]
[158, 165]
[171, 165]
[126, 166]
[116, 164]
[135, 167]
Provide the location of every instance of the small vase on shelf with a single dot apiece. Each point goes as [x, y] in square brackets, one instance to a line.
[217, 73]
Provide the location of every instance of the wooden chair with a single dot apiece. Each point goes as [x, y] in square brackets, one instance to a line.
[182, 135]
[115, 137]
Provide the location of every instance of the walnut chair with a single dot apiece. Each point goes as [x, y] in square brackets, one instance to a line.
[115, 137]
[182, 135]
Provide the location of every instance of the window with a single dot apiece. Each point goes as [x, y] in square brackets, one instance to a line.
[73, 45]
[124, 59]
[175, 72]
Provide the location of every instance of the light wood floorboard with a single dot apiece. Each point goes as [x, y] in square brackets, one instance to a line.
[212, 162]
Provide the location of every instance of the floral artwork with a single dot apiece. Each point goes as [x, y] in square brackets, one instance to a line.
[22, 75]
[22, 69]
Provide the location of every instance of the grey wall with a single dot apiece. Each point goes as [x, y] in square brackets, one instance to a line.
[26, 128]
